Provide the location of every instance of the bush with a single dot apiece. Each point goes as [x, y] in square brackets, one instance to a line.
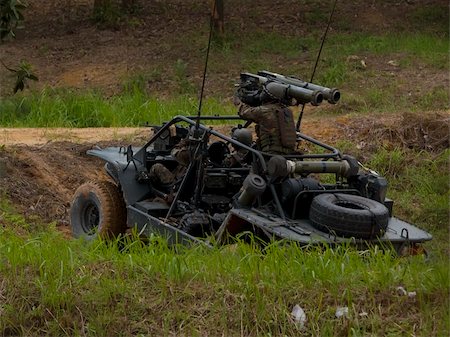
[10, 17]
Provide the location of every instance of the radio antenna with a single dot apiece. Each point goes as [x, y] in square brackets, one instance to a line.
[206, 67]
[299, 121]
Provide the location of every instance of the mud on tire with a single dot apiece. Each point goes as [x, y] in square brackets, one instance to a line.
[98, 209]
[349, 215]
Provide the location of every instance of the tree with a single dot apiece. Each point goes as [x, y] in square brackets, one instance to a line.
[217, 15]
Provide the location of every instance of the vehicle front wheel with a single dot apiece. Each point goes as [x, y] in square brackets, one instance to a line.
[98, 209]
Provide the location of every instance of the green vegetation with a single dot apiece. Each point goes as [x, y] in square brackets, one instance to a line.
[22, 75]
[364, 88]
[11, 15]
[52, 108]
[428, 48]
[56, 287]
[134, 107]
[427, 176]
[53, 286]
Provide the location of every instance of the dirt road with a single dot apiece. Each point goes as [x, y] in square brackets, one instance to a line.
[38, 136]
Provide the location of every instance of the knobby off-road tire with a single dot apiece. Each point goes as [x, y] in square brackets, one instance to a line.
[98, 209]
[349, 215]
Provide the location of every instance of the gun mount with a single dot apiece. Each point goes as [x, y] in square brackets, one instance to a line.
[254, 89]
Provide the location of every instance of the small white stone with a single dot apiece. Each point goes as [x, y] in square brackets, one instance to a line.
[299, 316]
[401, 291]
[341, 312]
[393, 63]
[412, 294]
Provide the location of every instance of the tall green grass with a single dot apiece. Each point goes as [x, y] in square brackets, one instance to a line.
[66, 108]
[419, 183]
[55, 287]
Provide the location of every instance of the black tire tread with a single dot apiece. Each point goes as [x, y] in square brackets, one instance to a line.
[367, 223]
[113, 210]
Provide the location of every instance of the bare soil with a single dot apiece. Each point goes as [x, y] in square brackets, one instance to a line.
[68, 49]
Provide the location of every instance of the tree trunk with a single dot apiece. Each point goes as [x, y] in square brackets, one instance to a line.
[217, 15]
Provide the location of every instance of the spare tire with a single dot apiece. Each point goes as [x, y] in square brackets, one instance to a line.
[349, 215]
[98, 209]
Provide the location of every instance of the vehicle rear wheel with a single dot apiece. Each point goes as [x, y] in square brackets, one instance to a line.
[98, 209]
[349, 215]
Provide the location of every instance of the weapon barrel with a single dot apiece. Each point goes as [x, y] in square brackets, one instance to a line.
[332, 95]
[278, 166]
[248, 76]
[302, 95]
[341, 168]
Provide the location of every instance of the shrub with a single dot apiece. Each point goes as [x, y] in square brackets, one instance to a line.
[10, 17]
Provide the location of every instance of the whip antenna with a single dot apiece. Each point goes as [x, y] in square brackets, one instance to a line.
[299, 121]
[206, 66]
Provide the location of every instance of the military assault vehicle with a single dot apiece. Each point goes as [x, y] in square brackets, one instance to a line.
[323, 198]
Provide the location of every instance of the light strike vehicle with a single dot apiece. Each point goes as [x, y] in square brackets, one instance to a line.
[274, 197]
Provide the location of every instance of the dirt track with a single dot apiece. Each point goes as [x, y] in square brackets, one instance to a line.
[38, 136]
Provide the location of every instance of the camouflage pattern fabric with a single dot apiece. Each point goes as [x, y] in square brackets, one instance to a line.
[276, 134]
[161, 174]
[181, 152]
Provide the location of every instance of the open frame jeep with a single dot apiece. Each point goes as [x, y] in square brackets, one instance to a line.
[274, 197]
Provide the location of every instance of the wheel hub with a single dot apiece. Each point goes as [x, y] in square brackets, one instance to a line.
[91, 218]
